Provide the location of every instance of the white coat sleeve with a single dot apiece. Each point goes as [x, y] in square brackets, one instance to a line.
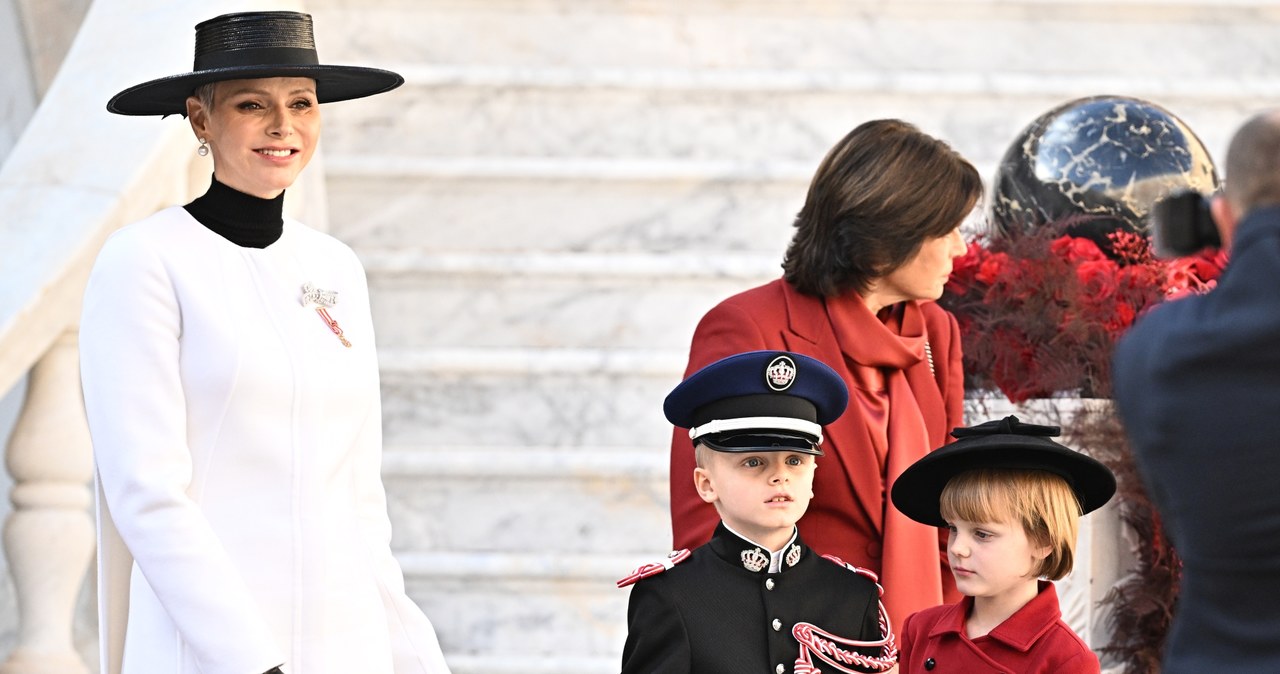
[129, 354]
[413, 638]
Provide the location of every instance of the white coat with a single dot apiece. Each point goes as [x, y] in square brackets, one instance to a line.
[241, 515]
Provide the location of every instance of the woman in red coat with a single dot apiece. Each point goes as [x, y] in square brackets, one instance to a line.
[873, 248]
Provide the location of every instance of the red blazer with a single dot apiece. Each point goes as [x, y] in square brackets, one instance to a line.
[1032, 641]
[846, 515]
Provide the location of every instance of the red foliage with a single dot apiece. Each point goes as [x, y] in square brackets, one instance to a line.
[1040, 311]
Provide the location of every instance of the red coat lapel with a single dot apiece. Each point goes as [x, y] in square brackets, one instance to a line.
[810, 332]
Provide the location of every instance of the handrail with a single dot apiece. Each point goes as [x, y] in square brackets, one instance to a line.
[79, 172]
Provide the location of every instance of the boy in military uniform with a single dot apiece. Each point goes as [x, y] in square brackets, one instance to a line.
[755, 598]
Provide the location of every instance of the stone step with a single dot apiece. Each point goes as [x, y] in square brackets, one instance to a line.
[497, 206]
[546, 606]
[745, 201]
[748, 115]
[597, 398]
[529, 499]
[572, 300]
[525, 206]
[1033, 36]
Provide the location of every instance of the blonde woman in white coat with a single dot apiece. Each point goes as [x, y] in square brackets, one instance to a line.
[227, 357]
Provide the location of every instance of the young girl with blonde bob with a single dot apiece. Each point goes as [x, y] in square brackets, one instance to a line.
[1011, 499]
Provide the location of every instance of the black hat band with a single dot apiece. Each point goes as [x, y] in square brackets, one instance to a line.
[278, 56]
[756, 405]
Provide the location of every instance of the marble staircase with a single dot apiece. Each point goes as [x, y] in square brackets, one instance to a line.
[564, 186]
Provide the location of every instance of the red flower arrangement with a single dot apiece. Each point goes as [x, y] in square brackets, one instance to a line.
[1041, 310]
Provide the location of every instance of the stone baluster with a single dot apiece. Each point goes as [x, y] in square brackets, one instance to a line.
[48, 538]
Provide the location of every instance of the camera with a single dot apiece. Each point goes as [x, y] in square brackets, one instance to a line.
[1181, 225]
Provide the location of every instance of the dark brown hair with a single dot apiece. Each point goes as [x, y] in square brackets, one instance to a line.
[879, 194]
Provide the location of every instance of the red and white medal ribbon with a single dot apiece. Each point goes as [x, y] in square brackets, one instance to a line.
[323, 300]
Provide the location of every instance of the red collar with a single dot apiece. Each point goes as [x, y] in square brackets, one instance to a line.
[872, 342]
[1020, 631]
[900, 347]
[805, 316]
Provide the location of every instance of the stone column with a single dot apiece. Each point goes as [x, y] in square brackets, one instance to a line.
[48, 538]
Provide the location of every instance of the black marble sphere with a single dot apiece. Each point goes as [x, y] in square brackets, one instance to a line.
[1103, 159]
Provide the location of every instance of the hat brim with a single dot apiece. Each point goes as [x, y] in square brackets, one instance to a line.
[168, 95]
[760, 441]
[918, 490]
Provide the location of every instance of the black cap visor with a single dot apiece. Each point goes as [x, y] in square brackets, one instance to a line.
[759, 441]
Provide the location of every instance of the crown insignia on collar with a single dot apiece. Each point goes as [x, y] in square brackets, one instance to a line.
[793, 555]
[781, 373]
[754, 560]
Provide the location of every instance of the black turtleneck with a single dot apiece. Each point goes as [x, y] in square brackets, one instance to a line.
[242, 219]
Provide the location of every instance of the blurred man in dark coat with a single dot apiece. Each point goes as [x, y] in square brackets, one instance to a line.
[1197, 384]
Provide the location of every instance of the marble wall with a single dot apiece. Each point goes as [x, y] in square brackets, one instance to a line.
[16, 77]
[49, 27]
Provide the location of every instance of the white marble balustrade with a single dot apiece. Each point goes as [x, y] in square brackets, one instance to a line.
[48, 538]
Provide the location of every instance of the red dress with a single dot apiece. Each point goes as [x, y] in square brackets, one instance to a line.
[1034, 640]
[915, 360]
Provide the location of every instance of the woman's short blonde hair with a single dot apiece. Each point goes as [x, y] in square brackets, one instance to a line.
[205, 92]
[1042, 502]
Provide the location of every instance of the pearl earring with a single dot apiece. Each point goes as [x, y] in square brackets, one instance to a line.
[203, 150]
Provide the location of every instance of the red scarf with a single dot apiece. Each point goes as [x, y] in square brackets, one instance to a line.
[910, 571]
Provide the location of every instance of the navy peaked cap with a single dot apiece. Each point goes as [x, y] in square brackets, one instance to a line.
[759, 400]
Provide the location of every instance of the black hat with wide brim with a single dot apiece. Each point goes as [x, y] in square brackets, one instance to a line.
[1003, 443]
[252, 45]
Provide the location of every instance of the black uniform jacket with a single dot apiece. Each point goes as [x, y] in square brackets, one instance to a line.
[712, 615]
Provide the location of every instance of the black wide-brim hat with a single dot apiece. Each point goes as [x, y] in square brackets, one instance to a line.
[1002, 443]
[252, 45]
